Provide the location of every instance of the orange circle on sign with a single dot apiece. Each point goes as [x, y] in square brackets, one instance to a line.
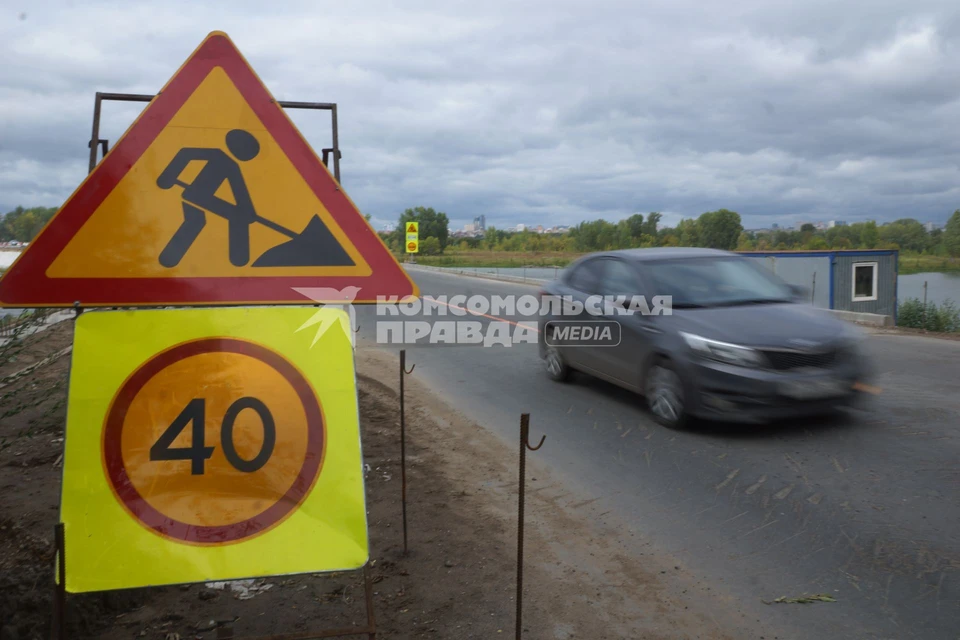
[213, 441]
[411, 245]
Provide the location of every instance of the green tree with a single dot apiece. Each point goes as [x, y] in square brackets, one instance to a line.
[669, 240]
[951, 235]
[807, 228]
[689, 232]
[23, 225]
[869, 236]
[430, 246]
[720, 229]
[432, 225]
[906, 233]
[636, 225]
[650, 226]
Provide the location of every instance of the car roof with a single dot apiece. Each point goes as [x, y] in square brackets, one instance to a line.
[659, 253]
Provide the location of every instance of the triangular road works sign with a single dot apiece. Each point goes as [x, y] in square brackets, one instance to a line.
[212, 196]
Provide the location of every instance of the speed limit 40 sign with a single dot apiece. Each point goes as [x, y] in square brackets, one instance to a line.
[211, 444]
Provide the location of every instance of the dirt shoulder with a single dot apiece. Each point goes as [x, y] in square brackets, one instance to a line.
[457, 582]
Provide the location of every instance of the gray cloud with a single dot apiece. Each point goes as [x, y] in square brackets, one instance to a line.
[544, 113]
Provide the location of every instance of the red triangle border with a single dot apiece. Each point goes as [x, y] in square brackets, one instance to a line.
[26, 285]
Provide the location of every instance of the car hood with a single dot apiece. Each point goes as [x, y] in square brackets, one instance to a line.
[788, 325]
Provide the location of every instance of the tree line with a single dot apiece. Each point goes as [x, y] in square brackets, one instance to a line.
[721, 229]
[23, 225]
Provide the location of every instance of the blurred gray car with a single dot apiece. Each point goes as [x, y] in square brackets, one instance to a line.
[733, 341]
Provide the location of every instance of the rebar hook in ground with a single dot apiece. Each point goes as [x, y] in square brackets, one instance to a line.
[527, 442]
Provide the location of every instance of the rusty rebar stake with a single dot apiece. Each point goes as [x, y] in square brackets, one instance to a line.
[403, 445]
[371, 618]
[524, 445]
[59, 629]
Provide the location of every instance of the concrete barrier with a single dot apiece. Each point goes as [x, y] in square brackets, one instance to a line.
[873, 319]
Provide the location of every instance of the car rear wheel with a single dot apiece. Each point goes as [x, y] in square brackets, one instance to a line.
[557, 369]
[664, 394]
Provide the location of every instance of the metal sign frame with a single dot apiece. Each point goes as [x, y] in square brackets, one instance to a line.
[97, 141]
[58, 628]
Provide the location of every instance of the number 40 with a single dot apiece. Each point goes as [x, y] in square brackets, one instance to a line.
[198, 453]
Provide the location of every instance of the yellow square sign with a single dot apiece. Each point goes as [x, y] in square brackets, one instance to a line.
[211, 444]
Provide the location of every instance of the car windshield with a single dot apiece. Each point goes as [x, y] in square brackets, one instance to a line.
[716, 281]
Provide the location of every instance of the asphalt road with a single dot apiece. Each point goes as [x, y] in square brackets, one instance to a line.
[865, 507]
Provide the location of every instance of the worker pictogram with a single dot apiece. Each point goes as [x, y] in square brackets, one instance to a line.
[314, 246]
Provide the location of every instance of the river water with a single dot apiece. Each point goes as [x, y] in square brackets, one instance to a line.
[940, 287]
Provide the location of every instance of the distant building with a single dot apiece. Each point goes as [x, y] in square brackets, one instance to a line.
[521, 227]
[469, 228]
[931, 226]
[480, 223]
[774, 226]
[836, 223]
[843, 280]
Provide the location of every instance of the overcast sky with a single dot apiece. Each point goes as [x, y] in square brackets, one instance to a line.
[536, 112]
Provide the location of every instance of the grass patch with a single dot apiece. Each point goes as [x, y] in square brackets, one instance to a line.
[942, 318]
[927, 264]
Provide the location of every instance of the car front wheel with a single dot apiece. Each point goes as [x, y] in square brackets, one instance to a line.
[557, 369]
[664, 394]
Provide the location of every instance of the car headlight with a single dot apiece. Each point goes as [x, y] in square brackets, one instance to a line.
[734, 354]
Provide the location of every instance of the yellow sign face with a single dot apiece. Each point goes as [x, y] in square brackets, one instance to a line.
[211, 444]
[412, 243]
[224, 200]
